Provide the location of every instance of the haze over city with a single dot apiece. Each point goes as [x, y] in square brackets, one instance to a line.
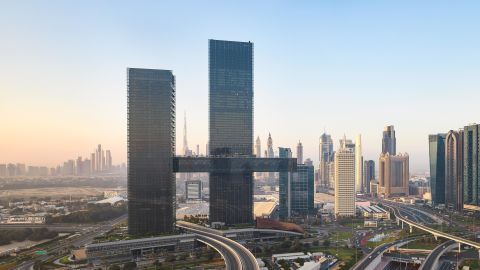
[344, 68]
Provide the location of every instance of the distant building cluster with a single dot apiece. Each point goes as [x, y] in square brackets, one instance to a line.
[100, 162]
[455, 167]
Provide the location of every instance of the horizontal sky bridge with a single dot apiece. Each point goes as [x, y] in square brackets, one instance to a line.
[233, 164]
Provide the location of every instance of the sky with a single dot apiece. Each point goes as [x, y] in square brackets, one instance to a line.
[344, 67]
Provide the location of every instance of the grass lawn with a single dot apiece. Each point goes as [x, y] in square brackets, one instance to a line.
[345, 255]
[474, 264]
[341, 236]
[424, 243]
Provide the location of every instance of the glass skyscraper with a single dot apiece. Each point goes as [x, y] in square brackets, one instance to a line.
[283, 186]
[368, 173]
[436, 144]
[231, 128]
[389, 142]
[151, 147]
[471, 163]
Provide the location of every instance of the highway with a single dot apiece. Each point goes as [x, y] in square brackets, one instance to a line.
[367, 260]
[436, 233]
[83, 239]
[247, 260]
[431, 262]
[231, 258]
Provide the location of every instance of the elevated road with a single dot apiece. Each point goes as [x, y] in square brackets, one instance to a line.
[432, 260]
[436, 233]
[247, 260]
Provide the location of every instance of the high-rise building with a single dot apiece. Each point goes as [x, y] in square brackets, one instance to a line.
[436, 144]
[325, 156]
[21, 169]
[231, 128]
[258, 147]
[471, 165]
[3, 170]
[299, 153]
[108, 160]
[270, 153]
[393, 174]
[284, 186]
[185, 142]
[151, 147]
[11, 170]
[454, 170]
[302, 191]
[98, 160]
[345, 180]
[358, 165]
[79, 166]
[389, 142]
[368, 174]
[93, 162]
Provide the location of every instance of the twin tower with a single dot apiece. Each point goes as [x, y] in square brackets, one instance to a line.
[230, 163]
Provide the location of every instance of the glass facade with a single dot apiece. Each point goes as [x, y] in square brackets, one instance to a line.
[283, 185]
[437, 167]
[151, 147]
[471, 163]
[231, 128]
[368, 173]
[302, 191]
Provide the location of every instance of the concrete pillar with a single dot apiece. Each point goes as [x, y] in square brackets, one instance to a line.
[411, 228]
[436, 237]
[459, 248]
[402, 225]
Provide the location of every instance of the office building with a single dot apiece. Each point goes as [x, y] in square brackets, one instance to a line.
[108, 160]
[358, 165]
[471, 165]
[258, 147]
[284, 187]
[193, 190]
[436, 143]
[302, 191]
[299, 153]
[389, 142]
[368, 174]
[21, 169]
[344, 180]
[231, 128]
[454, 170]
[151, 147]
[11, 170]
[393, 175]
[325, 156]
[270, 154]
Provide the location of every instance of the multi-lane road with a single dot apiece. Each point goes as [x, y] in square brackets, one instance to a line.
[84, 238]
[432, 260]
[232, 249]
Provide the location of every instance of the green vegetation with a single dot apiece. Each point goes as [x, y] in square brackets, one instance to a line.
[474, 264]
[344, 254]
[19, 235]
[340, 235]
[424, 243]
[93, 213]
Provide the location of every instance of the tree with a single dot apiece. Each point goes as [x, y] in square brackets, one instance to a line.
[114, 267]
[129, 266]
[326, 243]
[315, 242]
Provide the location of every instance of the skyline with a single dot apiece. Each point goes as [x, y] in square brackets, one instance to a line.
[432, 63]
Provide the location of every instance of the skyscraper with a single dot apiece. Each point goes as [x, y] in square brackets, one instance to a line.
[299, 153]
[454, 170]
[389, 142]
[325, 156]
[231, 128]
[368, 174]
[345, 180]
[393, 174]
[185, 151]
[151, 147]
[109, 161]
[471, 159]
[98, 155]
[258, 147]
[436, 144]
[284, 187]
[270, 153]
[358, 164]
[302, 191]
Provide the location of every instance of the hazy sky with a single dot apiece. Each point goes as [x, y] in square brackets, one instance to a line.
[344, 66]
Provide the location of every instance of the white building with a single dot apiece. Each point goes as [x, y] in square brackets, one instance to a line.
[358, 164]
[345, 181]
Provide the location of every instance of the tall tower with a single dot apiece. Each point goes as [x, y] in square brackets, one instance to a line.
[454, 170]
[185, 143]
[389, 142]
[471, 173]
[258, 147]
[98, 155]
[325, 149]
[284, 187]
[270, 153]
[151, 148]
[299, 153]
[436, 144]
[359, 186]
[345, 180]
[231, 128]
